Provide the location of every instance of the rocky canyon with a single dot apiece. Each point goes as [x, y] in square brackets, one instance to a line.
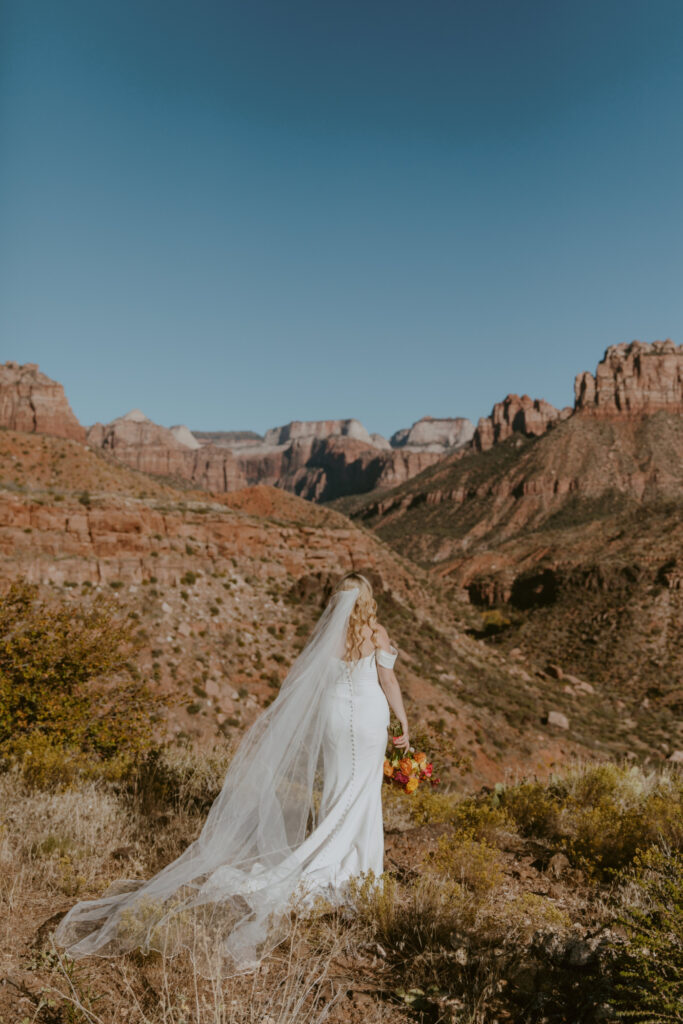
[531, 565]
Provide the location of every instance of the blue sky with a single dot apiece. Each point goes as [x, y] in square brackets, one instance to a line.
[236, 214]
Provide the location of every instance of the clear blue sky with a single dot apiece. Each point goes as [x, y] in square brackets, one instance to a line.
[236, 214]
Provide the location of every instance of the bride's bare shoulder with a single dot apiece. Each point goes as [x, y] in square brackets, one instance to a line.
[382, 638]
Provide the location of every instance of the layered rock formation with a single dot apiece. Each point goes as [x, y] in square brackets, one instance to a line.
[228, 438]
[204, 575]
[144, 445]
[32, 402]
[185, 436]
[319, 430]
[431, 434]
[633, 378]
[528, 416]
[309, 462]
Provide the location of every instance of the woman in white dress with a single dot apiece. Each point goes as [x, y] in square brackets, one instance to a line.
[298, 815]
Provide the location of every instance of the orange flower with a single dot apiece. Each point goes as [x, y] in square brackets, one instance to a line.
[420, 758]
[411, 785]
[406, 765]
[388, 768]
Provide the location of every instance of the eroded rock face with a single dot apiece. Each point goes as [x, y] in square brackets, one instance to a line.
[515, 414]
[185, 436]
[144, 445]
[317, 429]
[435, 434]
[32, 402]
[317, 468]
[633, 378]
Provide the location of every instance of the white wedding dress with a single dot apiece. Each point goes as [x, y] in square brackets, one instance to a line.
[274, 837]
[349, 839]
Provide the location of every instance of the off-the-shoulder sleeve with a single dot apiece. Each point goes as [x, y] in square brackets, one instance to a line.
[386, 658]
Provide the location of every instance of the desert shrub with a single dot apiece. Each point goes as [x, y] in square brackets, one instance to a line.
[530, 913]
[47, 763]
[646, 964]
[494, 621]
[477, 817]
[474, 865]
[177, 778]
[408, 919]
[533, 808]
[601, 815]
[483, 820]
[66, 684]
[432, 806]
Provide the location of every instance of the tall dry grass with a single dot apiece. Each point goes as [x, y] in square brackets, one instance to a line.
[466, 932]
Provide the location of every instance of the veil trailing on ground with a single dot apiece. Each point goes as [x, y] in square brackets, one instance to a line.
[226, 898]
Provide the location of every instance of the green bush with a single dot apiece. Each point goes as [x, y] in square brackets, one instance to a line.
[646, 966]
[601, 815]
[474, 865]
[66, 684]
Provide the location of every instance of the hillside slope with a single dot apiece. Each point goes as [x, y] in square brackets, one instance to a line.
[226, 589]
[576, 538]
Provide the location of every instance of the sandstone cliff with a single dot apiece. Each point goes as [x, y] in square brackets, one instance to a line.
[31, 402]
[439, 435]
[527, 416]
[633, 378]
[317, 430]
[319, 460]
[573, 540]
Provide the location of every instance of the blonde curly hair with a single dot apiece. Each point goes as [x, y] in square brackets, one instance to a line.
[364, 613]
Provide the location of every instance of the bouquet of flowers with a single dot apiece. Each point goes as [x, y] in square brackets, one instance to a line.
[407, 770]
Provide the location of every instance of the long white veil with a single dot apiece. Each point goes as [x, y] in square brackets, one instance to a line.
[227, 897]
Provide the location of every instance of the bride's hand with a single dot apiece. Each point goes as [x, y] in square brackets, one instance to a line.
[402, 741]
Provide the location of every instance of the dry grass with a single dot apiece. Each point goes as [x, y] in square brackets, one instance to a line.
[466, 931]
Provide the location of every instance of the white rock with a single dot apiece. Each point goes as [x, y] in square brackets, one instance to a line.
[136, 416]
[185, 436]
[676, 757]
[557, 719]
[166, 608]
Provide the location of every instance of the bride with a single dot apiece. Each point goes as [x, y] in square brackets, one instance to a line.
[298, 815]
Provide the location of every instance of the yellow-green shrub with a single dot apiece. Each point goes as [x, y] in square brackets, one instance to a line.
[600, 814]
[473, 864]
[482, 820]
[409, 918]
[66, 682]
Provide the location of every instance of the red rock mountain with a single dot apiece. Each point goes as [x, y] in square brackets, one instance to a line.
[633, 378]
[566, 531]
[515, 415]
[433, 434]
[571, 538]
[225, 589]
[31, 402]
[302, 458]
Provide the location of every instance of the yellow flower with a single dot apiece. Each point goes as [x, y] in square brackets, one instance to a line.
[388, 768]
[411, 785]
